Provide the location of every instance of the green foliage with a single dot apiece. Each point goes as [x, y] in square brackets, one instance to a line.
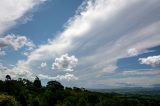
[6, 100]
[37, 83]
[23, 92]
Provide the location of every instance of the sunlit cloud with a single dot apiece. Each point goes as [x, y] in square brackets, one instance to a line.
[100, 33]
[132, 52]
[151, 60]
[14, 10]
[65, 62]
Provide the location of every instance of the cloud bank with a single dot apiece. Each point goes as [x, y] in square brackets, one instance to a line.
[67, 77]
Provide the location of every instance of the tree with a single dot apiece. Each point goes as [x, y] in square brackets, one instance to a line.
[37, 83]
[55, 84]
[8, 77]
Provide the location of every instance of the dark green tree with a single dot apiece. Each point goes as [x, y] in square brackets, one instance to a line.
[8, 77]
[55, 84]
[37, 83]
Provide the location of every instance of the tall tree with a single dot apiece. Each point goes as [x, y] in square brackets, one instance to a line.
[37, 82]
[8, 77]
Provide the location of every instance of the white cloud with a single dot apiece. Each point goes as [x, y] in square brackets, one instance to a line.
[16, 42]
[132, 52]
[2, 68]
[67, 77]
[25, 53]
[13, 10]
[97, 18]
[65, 62]
[43, 64]
[19, 70]
[101, 34]
[151, 60]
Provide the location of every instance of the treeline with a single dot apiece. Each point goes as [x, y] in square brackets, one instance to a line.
[23, 92]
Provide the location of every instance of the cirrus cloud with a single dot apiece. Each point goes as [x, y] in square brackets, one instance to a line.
[99, 35]
[14, 10]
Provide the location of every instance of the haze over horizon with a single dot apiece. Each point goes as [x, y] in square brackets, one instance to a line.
[83, 43]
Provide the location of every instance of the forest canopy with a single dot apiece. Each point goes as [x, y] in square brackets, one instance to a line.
[23, 92]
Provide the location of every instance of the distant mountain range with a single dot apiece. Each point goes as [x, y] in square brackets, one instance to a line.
[132, 90]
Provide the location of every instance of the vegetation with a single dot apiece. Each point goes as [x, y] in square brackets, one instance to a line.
[23, 92]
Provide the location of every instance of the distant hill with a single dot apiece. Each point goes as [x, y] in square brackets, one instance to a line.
[131, 90]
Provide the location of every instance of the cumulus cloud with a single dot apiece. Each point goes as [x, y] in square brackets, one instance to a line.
[43, 64]
[16, 42]
[132, 52]
[151, 60]
[67, 77]
[13, 10]
[65, 62]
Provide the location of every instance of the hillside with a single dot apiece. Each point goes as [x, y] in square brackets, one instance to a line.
[23, 92]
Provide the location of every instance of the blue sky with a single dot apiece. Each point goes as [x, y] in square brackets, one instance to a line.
[84, 43]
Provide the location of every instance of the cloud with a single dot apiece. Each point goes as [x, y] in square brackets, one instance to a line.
[141, 72]
[16, 42]
[14, 10]
[25, 53]
[100, 34]
[20, 71]
[43, 64]
[2, 68]
[151, 60]
[2, 53]
[65, 62]
[67, 76]
[132, 52]
[17, 71]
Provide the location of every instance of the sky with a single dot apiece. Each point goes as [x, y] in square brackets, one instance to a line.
[83, 43]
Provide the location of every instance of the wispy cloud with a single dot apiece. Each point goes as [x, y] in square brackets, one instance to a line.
[67, 77]
[13, 10]
[100, 34]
